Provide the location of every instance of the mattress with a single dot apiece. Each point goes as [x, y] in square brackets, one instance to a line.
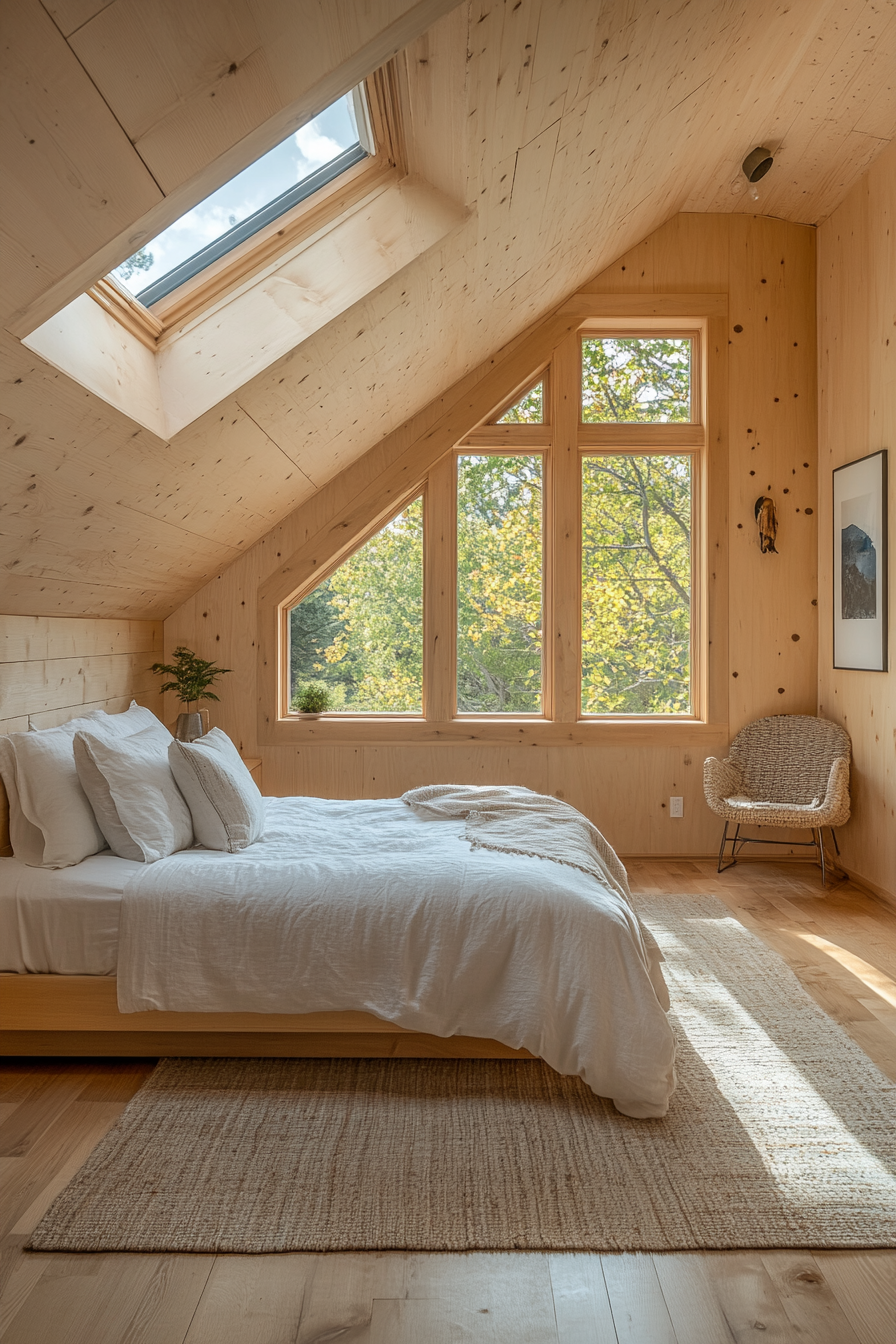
[62, 922]
[364, 905]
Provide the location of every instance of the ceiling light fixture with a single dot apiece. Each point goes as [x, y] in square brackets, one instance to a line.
[755, 166]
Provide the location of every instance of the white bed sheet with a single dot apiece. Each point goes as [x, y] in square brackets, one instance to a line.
[366, 905]
[62, 921]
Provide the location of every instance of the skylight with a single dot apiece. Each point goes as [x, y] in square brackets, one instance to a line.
[290, 172]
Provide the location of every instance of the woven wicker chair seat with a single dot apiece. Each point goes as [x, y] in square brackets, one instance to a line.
[788, 770]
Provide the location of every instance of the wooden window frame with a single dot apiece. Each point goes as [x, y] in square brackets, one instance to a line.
[564, 440]
[320, 576]
[449, 674]
[244, 263]
[651, 438]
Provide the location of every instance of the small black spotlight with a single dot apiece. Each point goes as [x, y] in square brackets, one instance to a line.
[757, 163]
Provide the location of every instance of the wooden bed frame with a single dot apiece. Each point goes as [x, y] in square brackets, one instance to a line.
[78, 1015]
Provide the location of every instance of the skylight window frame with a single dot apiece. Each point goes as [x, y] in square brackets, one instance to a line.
[253, 224]
[383, 157]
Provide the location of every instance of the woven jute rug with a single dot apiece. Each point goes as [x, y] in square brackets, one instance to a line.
[781, 1133]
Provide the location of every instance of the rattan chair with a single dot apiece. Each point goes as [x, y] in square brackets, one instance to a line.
[789, 770]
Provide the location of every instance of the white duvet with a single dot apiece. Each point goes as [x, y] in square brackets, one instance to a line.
[365, 905]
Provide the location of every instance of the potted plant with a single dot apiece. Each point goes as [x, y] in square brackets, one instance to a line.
[312, 700]
[191, 679]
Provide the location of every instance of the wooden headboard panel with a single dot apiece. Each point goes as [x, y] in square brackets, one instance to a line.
[5, 846]
[53, 668]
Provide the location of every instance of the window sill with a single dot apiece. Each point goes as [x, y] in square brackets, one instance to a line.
[530, 731]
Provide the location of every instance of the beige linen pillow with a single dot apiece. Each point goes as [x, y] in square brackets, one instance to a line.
[225, 802]
[148, 803]
[51, 822]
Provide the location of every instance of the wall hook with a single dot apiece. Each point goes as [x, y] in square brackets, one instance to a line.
[767, 518]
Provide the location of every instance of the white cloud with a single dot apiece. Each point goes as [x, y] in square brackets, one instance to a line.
[314, 146]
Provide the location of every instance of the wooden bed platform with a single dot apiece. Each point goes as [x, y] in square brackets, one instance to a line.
[78, 1015]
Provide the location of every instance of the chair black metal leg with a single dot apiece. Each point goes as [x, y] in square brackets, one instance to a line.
[722, 867]
[819, 845]
[834, 838]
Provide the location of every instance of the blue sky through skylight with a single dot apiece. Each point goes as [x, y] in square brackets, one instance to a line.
[303, 153]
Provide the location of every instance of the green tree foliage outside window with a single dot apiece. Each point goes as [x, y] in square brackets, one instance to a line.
[140, 261]
[529, 410]
[636, 582]
[499, 584]
[638, 380]
[360, 633]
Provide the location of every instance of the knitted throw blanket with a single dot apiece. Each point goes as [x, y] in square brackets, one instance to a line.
[518, 821]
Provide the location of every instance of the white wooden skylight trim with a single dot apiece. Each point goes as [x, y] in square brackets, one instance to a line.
[167, 366]
[167, 382]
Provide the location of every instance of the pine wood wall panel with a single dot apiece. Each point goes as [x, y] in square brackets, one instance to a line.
[857, 416]
[69, 15]
[569, 130]
[122, 116]
[60, 143]
[205, 86]
[624, 787]
[772, 407]
[53, 668]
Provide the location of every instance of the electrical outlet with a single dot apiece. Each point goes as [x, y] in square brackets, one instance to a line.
[676, 807]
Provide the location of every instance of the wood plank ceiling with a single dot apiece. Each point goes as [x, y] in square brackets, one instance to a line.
[571, 129]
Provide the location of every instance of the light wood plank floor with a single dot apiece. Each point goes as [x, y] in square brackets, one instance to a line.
[842, 945]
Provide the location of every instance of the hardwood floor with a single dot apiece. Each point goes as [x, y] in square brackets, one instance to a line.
[842, 945]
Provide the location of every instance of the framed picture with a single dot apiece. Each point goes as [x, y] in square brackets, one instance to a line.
[860, 563]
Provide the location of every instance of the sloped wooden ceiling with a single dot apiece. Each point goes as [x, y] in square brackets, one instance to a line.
[569, 128]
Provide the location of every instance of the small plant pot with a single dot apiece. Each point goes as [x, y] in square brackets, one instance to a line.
[189, 727]
[309, 714]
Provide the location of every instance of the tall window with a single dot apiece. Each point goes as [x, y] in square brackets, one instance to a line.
[636, 585]
[499, 584]
[360, 633]
[561, 565]
[636, 531]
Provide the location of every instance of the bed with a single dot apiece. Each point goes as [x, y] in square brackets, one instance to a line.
[352, 928]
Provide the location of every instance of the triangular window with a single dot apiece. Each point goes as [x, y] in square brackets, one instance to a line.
[529, 410]
[359, 635]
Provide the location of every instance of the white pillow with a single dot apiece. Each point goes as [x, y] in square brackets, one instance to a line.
[147, 801]
[51, 822]
[131, 720]
[224, 800]
[113, 728]
[26, 839]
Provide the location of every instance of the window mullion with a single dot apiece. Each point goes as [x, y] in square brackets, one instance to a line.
[440, 592]
[562, 550]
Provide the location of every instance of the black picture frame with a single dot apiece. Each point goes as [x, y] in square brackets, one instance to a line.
[861, 564]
